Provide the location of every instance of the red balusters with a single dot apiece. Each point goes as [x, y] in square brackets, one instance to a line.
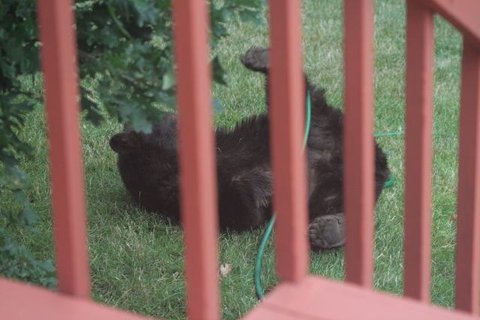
[59, 66]
[287, 127]
[418, 155]
[197, 160]
[358, 141]
[468, 208]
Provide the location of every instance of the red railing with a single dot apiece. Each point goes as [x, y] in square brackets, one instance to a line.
[358, 144]
[288, 162]
[198, 177]
[468, 209]
[59, 64]
[418, 160]
[299, 296]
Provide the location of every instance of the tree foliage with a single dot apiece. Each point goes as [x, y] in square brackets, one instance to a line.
[127, 68]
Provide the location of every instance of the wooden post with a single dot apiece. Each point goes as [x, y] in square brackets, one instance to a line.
[418, 150]
[467, 279]
[59, 64]
[287, 127]
[358, 141]
[197, 159]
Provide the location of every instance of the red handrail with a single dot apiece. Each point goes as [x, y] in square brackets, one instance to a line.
[463, 14]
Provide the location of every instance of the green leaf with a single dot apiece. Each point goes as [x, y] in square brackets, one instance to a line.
[218, 71]
[28, 216]
[168, 80]
[250, 15]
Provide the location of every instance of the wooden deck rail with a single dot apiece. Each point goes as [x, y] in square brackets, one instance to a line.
[287, 127]
[59, 64]
[358, 143]
[298, 296]
[418, 150]
[197, 159]
[467, 293]
[420, 49]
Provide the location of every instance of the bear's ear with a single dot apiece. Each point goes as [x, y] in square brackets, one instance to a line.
[121, 142]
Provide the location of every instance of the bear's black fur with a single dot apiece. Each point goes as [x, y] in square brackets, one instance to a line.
[148, 163]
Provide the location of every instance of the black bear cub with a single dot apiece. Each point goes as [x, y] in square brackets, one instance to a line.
[148, 165]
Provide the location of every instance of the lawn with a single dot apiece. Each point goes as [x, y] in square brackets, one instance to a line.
[136, 258]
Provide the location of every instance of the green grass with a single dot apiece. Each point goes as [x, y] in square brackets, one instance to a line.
[136, 258]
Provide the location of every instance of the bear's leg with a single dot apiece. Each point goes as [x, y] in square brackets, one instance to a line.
[327, 221]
